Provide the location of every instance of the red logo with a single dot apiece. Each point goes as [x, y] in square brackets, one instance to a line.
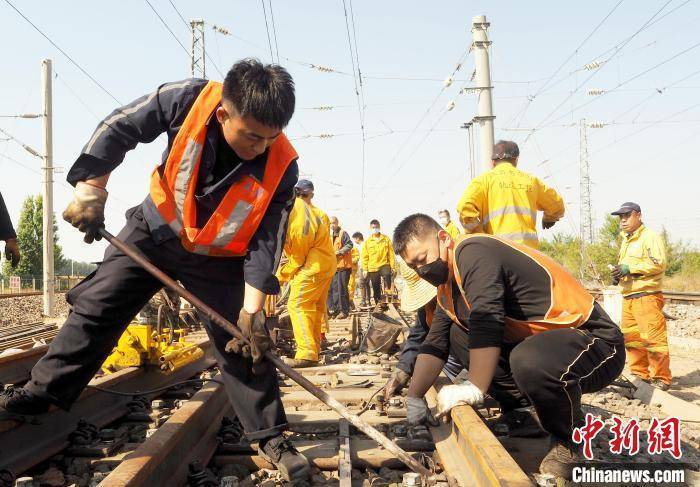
[665, 436]
[587, 433]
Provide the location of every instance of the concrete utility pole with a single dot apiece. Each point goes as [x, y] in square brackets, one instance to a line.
[484, 117]
[198, 67]
[585, 187]
[48, 250]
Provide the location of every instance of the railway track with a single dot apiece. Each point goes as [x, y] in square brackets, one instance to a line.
[25, 293]
[674, 297]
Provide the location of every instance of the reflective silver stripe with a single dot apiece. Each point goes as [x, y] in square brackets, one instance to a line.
[201, 249]
[468, 227]
[233, 223]
[508, 210]
[518, 235]
[184, 174]
[307, 220]
[130, 111]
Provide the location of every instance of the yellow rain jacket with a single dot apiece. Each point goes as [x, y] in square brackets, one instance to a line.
[452, 229]
[645, 255]
[504, 202]
[376, 252]
[355, 262]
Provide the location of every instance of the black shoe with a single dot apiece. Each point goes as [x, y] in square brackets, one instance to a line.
[523, 424]
[561, 459]
[289, 462]
[19, 402]
[659, 384]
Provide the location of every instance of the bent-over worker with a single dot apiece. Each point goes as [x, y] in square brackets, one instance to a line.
[214, 219]
[509, 312]
[8, 235]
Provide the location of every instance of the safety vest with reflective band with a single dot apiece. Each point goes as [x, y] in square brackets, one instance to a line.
[344, 261]
[235, 220]
[570, 304]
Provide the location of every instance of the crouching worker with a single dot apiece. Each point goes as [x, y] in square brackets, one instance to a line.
[518, 315]
[214, 219]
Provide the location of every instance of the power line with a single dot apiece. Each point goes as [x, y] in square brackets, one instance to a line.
[267, 28]
[75, 63]
[274, 30]
[188, 26]
[168, 28]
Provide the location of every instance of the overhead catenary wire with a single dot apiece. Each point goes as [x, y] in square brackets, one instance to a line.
[267, 29]
[167, 27]
[274, 30]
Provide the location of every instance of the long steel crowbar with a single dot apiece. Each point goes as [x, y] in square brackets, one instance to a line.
[170, 283]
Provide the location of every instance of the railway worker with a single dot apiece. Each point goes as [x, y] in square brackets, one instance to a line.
[378, 260]
[361, 276]
[352, 283]
[214, 219]
[309, 270]
[640, 272]
[505, 200]
[338, 299]
[508, 311]
[448, 224]
[8, 235]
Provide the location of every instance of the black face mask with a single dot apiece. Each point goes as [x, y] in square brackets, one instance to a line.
[436, 273]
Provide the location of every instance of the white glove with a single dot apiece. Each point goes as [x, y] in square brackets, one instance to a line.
[86, 210]
[457, 395]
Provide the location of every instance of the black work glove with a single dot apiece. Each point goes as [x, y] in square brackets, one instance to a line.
[12, 252]
[619, 272]
[547, 225]
[86, 211]
[399, 379]
[418, 413]
[253, 328]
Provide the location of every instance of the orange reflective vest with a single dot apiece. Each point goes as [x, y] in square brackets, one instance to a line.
[235, 220]
[343, 261]
[570, 304]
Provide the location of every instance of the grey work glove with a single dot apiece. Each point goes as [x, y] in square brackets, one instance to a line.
[12, 252]
[418, 412]
[399, 379]
[547, 225]
[87, 210]
[253, 328]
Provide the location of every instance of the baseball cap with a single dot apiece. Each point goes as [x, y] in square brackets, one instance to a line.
[626, 208]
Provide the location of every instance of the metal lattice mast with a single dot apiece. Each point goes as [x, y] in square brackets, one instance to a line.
[198, 68]
[585, 189]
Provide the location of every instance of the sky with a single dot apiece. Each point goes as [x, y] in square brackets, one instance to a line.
[416, 156]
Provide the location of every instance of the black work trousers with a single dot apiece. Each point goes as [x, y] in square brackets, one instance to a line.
[106, 301]
[363, 281]
[550, 370]
[338, 297]
[375, 279]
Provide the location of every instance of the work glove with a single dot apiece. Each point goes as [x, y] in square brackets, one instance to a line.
[457, 395]
[547, 225]
[253, 328]
[418, 412]
[619, 272]
[398, 381]
[12, 252]
[87, 210]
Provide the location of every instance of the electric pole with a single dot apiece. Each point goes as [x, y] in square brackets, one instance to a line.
[585, 187]
[48, 263]
[484, 117]
[198, 68]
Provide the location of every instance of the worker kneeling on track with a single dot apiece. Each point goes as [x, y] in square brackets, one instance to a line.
[309, 269]
[212, 220]
[519, 322]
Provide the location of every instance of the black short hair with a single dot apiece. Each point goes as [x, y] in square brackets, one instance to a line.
[413, 226]
[444, 211]
[374, 222]
[358, 235]
[505, 150]
[262, 91]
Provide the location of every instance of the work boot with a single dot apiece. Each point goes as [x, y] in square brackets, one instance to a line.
[281, 453]
[659, 384]
[342, 316]
[16, 401]
[561, 459]
[300, 363]
[523, 424]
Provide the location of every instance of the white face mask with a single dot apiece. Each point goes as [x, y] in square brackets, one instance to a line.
[444, 221]
[376, 230]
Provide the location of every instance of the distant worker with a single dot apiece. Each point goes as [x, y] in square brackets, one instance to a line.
[513, 313]
[361, 276]
[338, 299]
[448, 224]
[352, 283]
[8, 235]
[505, 200]
[378, 260]
[214, 218]
[309, 270]
[640, 272]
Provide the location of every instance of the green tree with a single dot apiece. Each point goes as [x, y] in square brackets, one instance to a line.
[31, 240]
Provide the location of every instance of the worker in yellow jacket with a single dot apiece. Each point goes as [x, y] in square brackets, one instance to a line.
[309, 269]
[640, 272]
[448, 224]
[505, 200]
[378, 260]
[355, 257]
